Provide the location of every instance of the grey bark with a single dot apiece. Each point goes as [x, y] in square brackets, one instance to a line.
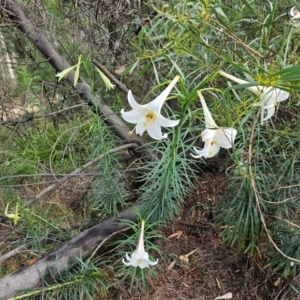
[58, 261]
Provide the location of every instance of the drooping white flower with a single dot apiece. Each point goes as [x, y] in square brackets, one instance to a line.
[269, 96]
[139, 258]
[214, 137]
[148, 116]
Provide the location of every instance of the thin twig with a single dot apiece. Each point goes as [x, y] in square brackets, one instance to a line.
[79, 170]
[235, 38]
[28, 119]
[14, 252]
[256, 193]
[99, 246]
[118, 83]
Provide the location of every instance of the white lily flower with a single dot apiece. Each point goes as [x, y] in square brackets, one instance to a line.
[214, 137]
[148, 117]
[139, 258]
[269, 96]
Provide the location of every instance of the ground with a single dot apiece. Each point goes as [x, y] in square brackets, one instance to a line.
[197, 264]
[213, 269]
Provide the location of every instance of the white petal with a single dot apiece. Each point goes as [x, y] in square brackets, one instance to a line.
[128, 264]
[154, 130]
[270, 113]
[140, 128]
[210, 149]
[140, 250]
[145, 263]
[208, 134]
[164, 122]
[203, 152]
[135, 262]
[269, 96]
[225, 137]
[209, 121]
[273, 95]
[258, 90]
[132, 101]
[129, 260]
[158, 102]
[214, 149]
[233, 78]
[281, 95]
[133, 116]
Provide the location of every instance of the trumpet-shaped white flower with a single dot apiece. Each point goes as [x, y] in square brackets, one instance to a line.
[148, 116]
[214, 137]
[269, 96]
[139, 258]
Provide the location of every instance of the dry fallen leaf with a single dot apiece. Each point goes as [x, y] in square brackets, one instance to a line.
[277, 282]
[218, 283]
[226, 296]
[119, 69]
[185, 258]
[176, 234]
[171, 265]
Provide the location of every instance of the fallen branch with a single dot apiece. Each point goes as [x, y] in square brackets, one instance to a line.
[77, 171]
[58, 261]
[20, 20]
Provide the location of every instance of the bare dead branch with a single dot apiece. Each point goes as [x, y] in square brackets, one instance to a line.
[77, 171]
[58, 261]
[14, 252]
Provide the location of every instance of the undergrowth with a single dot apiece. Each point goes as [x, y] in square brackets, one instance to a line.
[253, 41]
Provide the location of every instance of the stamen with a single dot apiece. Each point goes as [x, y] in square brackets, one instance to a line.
[150, 116]
[210, 147]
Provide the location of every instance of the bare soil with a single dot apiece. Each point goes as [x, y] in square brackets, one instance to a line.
[214, 269]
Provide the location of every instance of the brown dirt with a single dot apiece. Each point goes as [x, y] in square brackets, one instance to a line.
[214, 269]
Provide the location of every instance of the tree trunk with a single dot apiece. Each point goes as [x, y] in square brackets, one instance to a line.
[58, 261]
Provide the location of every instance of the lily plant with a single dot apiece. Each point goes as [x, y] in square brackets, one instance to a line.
[269, 95]
[139, 258]
[213, 136]
[148, 117]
